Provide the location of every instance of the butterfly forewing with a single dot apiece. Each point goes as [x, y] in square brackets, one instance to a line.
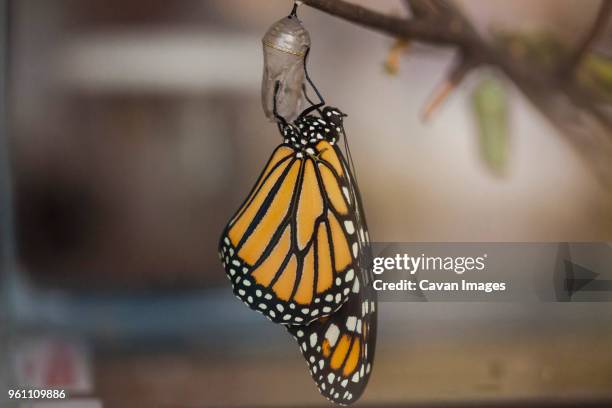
[291, 251]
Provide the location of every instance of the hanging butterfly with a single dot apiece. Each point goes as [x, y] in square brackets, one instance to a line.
[298, 251]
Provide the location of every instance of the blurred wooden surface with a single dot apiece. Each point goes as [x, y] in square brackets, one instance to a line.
[570, 370]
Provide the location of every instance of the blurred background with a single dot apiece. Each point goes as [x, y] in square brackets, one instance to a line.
[136, 129]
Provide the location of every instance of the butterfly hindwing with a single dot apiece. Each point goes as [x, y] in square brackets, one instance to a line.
[292, 248]
[339, 349]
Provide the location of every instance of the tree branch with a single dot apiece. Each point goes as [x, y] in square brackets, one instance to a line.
[396, 26]
[460, 34]
[426, 8]
[545, 89]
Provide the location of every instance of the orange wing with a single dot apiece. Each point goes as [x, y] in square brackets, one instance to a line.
[291, 249]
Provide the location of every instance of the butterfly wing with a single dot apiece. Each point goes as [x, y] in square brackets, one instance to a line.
[291, 251]
[339, 349]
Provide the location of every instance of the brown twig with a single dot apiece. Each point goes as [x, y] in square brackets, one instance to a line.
[443, 91]
[425, 8]
[395, 53]
[395, 26]
[575, 58]
[438, 12]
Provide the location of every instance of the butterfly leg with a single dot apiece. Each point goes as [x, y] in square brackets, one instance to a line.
[306, 95]
[315, 106]
[280, 121]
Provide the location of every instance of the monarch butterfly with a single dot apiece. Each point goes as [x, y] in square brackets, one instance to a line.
[297, 250]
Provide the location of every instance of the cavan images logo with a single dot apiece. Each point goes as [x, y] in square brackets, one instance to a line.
[405, 263]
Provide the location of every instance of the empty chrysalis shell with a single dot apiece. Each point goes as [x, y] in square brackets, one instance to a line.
[284, 46]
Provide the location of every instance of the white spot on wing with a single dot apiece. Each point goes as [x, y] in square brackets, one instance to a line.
[356, 286]
[332, 334]
[346, 193]
[351, 323]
